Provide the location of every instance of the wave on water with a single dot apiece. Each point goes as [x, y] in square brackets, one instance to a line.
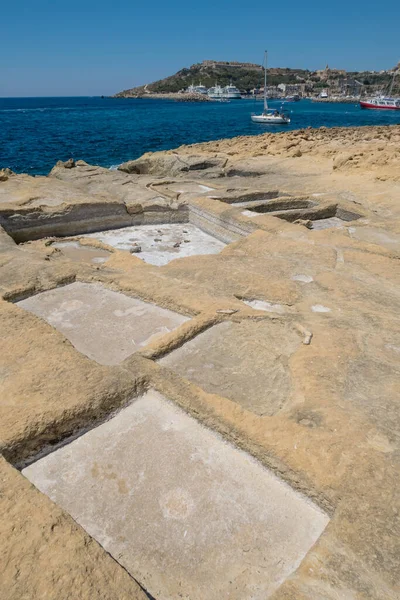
[47, 109]
[114, 167]
[23, 110]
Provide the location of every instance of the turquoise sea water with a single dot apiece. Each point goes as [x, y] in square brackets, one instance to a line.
[36, 132]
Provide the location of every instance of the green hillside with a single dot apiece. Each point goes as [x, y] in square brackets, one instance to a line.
[247, 76]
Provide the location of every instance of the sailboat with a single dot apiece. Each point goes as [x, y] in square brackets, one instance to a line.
[269, 116]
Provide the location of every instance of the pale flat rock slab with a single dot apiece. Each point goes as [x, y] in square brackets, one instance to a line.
[249, 213]
[320, 308]
[246, 362]
[189, 187]
[166, 164]
[265, 305]
[187, 514]
[375, 235]
[108, 183]
[107, 326]
[303, 278]
[328, 223]
[33, 192]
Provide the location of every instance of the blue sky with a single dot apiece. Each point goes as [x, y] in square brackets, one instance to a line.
[95, 47]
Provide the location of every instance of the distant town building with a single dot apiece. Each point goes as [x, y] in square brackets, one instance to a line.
[328, 73]
[289, 89]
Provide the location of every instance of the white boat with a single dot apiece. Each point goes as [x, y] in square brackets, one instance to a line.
[231, 92]
[269, 116]
[216, 92]
[201, 89]
[197, 89]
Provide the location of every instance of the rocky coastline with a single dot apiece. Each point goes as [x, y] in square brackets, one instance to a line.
[177, 96]
[226, 301]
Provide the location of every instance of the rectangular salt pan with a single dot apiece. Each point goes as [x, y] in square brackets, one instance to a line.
[104, 325]
[187, 514]
[161, 243]
[246, 362]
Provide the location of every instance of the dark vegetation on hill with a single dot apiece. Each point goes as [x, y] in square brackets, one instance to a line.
[248, 76]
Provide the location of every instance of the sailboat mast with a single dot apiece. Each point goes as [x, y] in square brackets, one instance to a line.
[265, 81]
[391, 85]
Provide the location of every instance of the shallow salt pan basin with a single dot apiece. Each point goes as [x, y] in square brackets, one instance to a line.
[187, 514]
[104, 325]
[246, 362]
[78, 253]
[161, 243]
[328, 223]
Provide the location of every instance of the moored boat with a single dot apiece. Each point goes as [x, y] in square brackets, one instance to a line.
[381, 103]
[270, 116]
[197, 89]
[216, 92]
[231, 92]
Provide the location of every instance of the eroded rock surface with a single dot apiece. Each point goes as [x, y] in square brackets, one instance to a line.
[247, 363]
[310, 220]
[172, 164]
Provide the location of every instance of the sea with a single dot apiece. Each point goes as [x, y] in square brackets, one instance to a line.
[36, 132]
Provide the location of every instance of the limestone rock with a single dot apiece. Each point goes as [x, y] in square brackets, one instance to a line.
[341, 159]
[168, 164]
[134, 209]
[313, 394]
[377, 148]
[305, 222]
[297, 153]
[68, 164]
[5, 174]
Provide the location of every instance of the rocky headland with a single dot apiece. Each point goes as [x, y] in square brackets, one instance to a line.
[248, 76]
[250, 285]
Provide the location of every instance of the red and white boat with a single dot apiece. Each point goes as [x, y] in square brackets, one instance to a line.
[381, 103]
